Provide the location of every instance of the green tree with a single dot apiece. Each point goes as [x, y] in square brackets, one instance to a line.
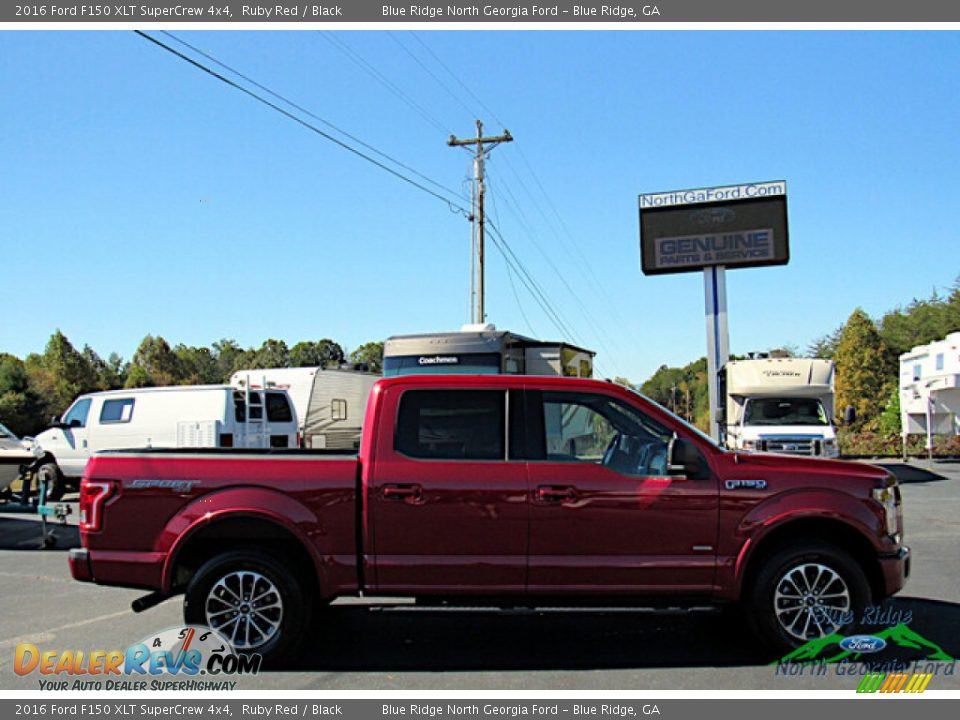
[272, 354]
[890, 423]
[159, 363]
[371, 354]
[671, 387]
[825, 346]
[230, 357]
[109, 373]
[864, 370]
[60, 374]
[323, 353]
[198, 365]
[21, 408]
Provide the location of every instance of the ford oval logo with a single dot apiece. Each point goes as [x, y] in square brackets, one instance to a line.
[712, 216]
[863, 643]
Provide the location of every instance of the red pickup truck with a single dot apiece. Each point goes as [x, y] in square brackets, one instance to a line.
[505, 490]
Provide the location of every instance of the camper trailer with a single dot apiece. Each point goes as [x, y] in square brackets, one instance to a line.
[187, 416]
[329, 403]
[483, 350]
[779, 405]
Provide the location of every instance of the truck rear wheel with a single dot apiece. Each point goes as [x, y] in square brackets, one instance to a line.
[253, 600]
[804, 592]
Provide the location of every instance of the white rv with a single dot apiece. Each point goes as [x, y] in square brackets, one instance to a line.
[780, 405]
[181, 416]
[329, 403]
[930, 389]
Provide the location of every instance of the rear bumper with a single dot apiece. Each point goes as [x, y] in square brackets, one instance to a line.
[895, 570]
[124, 569]
[79, 560]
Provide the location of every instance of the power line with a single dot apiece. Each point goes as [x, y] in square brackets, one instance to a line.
[459, 81]
[311, 114]
[601, 334]
[382, 79]
[429, 72]
[513, 287]
[200, 66]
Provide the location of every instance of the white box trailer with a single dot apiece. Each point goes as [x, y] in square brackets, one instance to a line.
[780, 405]
[330, 403]
[169, 417]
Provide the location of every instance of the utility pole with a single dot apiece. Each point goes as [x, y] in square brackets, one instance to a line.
[481, 147]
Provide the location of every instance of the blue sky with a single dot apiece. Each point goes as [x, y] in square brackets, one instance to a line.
[140, 195]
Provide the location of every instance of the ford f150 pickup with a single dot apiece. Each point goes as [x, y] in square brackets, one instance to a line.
[504, 490]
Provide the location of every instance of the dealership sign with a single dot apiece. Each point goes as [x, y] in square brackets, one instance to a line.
[732, 225]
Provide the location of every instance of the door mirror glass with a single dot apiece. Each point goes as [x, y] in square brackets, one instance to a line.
[685, 459]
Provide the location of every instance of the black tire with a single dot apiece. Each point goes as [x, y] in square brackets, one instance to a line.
[292, 621]
[820, 609]
[56, 484]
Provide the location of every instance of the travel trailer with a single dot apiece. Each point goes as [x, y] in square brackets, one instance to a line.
[482, 349]
[330, 404]
[183, 416]
[779, 405]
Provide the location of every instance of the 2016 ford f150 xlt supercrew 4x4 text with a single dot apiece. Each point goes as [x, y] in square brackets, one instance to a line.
[505, 490]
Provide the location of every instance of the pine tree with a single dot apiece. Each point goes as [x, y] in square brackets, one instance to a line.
[864, 371]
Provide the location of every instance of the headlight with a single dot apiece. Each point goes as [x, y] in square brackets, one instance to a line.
[750, 444]
[889, 497]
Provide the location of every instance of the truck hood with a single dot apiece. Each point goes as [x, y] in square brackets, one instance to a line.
[810, 471]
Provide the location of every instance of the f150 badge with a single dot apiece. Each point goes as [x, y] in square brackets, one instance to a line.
[746, 484]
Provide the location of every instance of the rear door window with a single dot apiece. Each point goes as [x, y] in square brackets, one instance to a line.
[116, 411]
[278, 408]
[452, 424]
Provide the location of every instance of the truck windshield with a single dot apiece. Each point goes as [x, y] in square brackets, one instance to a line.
[785, 411]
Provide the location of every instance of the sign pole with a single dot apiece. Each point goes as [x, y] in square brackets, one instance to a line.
[718, 338]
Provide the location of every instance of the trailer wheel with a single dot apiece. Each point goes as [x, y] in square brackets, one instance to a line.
[56, 484]
[252, 599]
[804, 592]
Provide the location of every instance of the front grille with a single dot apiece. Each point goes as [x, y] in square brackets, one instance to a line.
[791, 446]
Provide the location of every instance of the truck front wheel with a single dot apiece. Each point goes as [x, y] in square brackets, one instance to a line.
[805, 592]
[253, 600]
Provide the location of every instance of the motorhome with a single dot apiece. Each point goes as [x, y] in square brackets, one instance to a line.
[330, 403]
[482, 349]
[779, 405]
[162, 417]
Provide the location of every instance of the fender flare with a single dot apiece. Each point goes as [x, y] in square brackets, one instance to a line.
[797, 507]
[237, 502]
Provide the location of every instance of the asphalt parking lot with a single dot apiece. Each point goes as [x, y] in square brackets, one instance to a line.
[356, 647]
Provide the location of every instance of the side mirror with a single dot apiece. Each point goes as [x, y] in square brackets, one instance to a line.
[850, 415]
[684, 458]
